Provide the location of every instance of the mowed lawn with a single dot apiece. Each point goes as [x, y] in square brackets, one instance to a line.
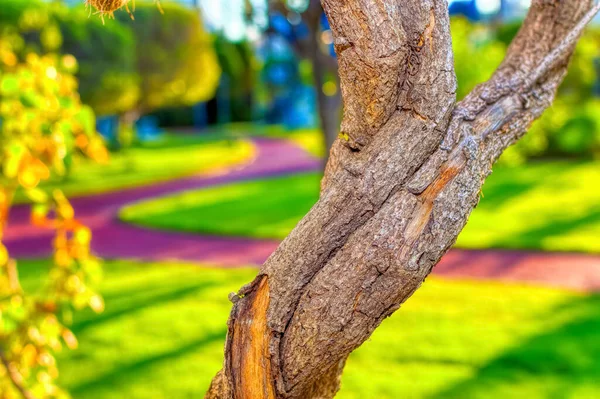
[544, 205]
[260, 208]
[169, 157]
[161, 337]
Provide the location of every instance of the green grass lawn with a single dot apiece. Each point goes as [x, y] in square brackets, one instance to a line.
[170, 157]
[262, 208]
[161, 337]
[545, 205]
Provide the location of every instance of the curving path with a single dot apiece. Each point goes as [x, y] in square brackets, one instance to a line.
[114, 239]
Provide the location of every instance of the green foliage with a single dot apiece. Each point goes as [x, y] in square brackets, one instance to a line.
[155, 61]
[477, 54]
[571, 127]
[520, 209]
[239, 65]
[107, 66]
[107, 75]
[162, 334]
[175, 59]
[43, 125]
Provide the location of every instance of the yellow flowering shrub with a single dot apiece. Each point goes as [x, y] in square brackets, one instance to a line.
[42, 126]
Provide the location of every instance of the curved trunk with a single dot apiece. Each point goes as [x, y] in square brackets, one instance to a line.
[398, 188]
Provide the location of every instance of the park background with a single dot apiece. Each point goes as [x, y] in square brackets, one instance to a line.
[211, 114]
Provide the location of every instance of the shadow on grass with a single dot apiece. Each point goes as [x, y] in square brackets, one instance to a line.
[513, 183]
[533, 238]
[124, 374]
[138, 303]
[495, 194]
[561, 363]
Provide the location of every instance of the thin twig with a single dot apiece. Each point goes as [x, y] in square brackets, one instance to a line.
[565, 46]
[13, 276]
[8, 194]
[15, 377]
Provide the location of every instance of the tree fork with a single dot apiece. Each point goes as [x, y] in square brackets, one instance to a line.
[400, 185]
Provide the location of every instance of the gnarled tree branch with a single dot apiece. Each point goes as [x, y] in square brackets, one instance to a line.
[398, 189]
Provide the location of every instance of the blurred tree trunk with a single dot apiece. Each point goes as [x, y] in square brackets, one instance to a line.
[126, 129]
[329, 106]
[399, 186]
[324, 66]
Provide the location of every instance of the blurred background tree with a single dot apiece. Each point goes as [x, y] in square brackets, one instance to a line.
[107, 65]
[126, 68]
[108, 78]
[175, 59]
[304, 26]
[238, 63]
[317, 47]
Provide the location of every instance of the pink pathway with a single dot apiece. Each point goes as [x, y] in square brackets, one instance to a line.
[114, 239]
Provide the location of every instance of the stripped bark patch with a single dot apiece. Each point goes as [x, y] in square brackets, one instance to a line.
[250, 346]
[422, 213]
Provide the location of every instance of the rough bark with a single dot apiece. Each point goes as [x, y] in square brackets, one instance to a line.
[399, 187]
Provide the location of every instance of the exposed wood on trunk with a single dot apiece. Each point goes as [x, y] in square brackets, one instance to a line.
[250, 342]
[399, 185]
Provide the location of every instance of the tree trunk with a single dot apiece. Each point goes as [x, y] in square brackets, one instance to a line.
[399, 187]
[126, 128]
[129, 119]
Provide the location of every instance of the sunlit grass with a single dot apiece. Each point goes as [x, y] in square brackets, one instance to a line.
[170, 157]
[548, 206]
[262, 208]
[545, 205]
[162, 336]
